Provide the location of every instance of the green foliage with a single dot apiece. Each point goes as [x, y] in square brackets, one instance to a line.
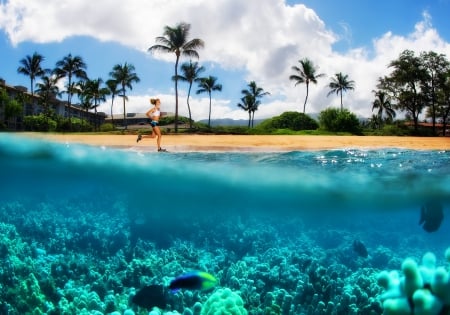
[107, 127]
[167, 120]
[13, 109]
[39, 123]
[288, 120]
[74, 124]
[336, 120]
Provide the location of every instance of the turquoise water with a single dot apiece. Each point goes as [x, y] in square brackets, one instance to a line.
[222, 200]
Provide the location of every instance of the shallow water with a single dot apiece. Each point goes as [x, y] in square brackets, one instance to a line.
[373, 195]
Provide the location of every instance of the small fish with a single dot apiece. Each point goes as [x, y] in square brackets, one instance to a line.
[360, 248]
[431, 216]
[195, 280]
[151, 296]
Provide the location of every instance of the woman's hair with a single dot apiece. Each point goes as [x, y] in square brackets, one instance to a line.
[154, 100]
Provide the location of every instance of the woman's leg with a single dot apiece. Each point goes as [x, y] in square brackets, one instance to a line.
[157, 131]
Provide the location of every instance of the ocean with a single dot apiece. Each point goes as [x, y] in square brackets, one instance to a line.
[83, 228]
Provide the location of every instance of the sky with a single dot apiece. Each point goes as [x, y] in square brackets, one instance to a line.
[251, 40]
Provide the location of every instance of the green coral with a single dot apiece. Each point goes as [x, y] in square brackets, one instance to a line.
[224, 302]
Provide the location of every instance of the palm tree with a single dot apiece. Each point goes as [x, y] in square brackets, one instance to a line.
[256, 94]
[31, 66]
[383, 104]
[340, 83]
[190, 73]
[247, 103]
[125, 76]
[175, 40]
[306, 74]
[70, 67]
[112, 87]
[207, 85]
[47, 89]
[97, 93]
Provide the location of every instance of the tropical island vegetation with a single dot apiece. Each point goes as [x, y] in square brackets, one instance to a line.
[417, 86]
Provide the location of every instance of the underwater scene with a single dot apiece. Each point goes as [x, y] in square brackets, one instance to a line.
[100, 230]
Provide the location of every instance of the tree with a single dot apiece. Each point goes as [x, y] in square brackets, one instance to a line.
[95, 93]
[335, 120]
[175, 40]
[256, 93]
[443, 108]
[32, 66]
[190, 73]
[207, 85]
[383, 103]
[404, 84]
[70, 67]
[435, 65]
[340, 83]
[112, 87]
[305, 74]
[247, 103]
[125, 76]
[47, 90]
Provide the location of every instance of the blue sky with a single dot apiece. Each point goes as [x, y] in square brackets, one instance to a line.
[249, 40]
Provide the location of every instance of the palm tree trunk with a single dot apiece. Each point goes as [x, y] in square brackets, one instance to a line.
[112, 117]
[124, 113]
[176, 94]
[342, 106]
[209, 117]
[189, 107]
[249, 118]
[306, 98]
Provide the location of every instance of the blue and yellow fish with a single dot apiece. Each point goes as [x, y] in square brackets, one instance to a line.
[195, 280]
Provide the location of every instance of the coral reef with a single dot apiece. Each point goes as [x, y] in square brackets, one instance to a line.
[57, 259]
[421, 289]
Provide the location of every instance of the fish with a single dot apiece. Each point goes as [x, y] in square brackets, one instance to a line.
[195, 280]
[431, 216]
[360, 248]
[151, 296]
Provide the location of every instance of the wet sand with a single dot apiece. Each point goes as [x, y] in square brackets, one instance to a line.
[249, 143]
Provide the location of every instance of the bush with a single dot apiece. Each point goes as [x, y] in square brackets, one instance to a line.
[288, 120]
[107, 127]
[336, 120]
[39, 123]
[74, 124]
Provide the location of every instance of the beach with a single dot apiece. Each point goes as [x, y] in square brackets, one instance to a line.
[180, 143]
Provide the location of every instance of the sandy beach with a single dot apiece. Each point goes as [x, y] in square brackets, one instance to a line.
[249, 143]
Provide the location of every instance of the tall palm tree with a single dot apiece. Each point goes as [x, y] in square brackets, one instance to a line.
[32, 66]
[112, 86]
[175, 40]
[125, 76]
[305, 74]
[383, 103]
[70, 67]
[190, 73]
[256, 93]
[247, 103]
[340, 83]
[207, 85]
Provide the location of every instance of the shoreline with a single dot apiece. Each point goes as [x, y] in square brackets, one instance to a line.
[185, 143]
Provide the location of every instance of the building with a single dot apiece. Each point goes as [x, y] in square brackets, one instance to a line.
[33, 107]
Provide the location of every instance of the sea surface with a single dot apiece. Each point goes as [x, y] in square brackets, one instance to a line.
[63, 203]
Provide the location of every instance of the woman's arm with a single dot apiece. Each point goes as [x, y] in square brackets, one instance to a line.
[150, 112]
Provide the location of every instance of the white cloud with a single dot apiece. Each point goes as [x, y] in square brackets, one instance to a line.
[263, 37]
